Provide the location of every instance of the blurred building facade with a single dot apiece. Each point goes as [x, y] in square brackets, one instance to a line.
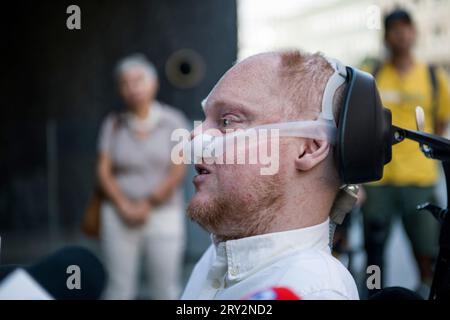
[350, 30]
[58, 85]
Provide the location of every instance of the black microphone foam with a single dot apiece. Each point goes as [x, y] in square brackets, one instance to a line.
[52, 274]
[395, 294]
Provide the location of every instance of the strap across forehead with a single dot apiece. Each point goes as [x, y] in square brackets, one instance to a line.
[334, 82]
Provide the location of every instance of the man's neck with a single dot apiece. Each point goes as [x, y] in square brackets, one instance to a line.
[402, 62]
[303, 208]
[294, 219]
[296, 213]
[301, 214]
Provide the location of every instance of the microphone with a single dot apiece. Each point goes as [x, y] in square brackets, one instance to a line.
[274, 293]
[395, 294]
[72, 273]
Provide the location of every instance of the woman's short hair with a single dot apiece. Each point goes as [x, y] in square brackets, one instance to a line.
[133, 61]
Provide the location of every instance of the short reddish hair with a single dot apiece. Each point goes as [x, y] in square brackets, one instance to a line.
[303, 78]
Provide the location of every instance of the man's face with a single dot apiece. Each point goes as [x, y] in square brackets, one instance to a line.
[230, 199]
[400, 37]
[137, 88]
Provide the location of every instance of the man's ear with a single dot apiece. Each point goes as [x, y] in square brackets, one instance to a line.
[312, 152]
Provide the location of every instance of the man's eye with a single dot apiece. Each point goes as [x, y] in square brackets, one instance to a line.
[226, 122]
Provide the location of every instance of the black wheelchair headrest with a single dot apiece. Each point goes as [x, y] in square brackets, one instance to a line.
[364, 143]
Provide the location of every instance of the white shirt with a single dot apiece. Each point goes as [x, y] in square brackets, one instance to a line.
[299, 260]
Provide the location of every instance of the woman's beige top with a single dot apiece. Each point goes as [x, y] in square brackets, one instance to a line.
[140, 164]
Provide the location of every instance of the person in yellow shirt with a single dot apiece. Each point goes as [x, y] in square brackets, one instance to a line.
[410, 177]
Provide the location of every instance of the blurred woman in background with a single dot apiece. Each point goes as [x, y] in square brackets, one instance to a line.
[143, 210]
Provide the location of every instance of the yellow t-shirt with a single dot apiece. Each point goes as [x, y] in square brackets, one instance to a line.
[401, 94]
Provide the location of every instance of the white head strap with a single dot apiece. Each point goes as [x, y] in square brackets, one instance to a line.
[334, 82]
[324, 128]
[347, 196]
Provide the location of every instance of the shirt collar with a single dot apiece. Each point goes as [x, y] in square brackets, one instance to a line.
[244, 256]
